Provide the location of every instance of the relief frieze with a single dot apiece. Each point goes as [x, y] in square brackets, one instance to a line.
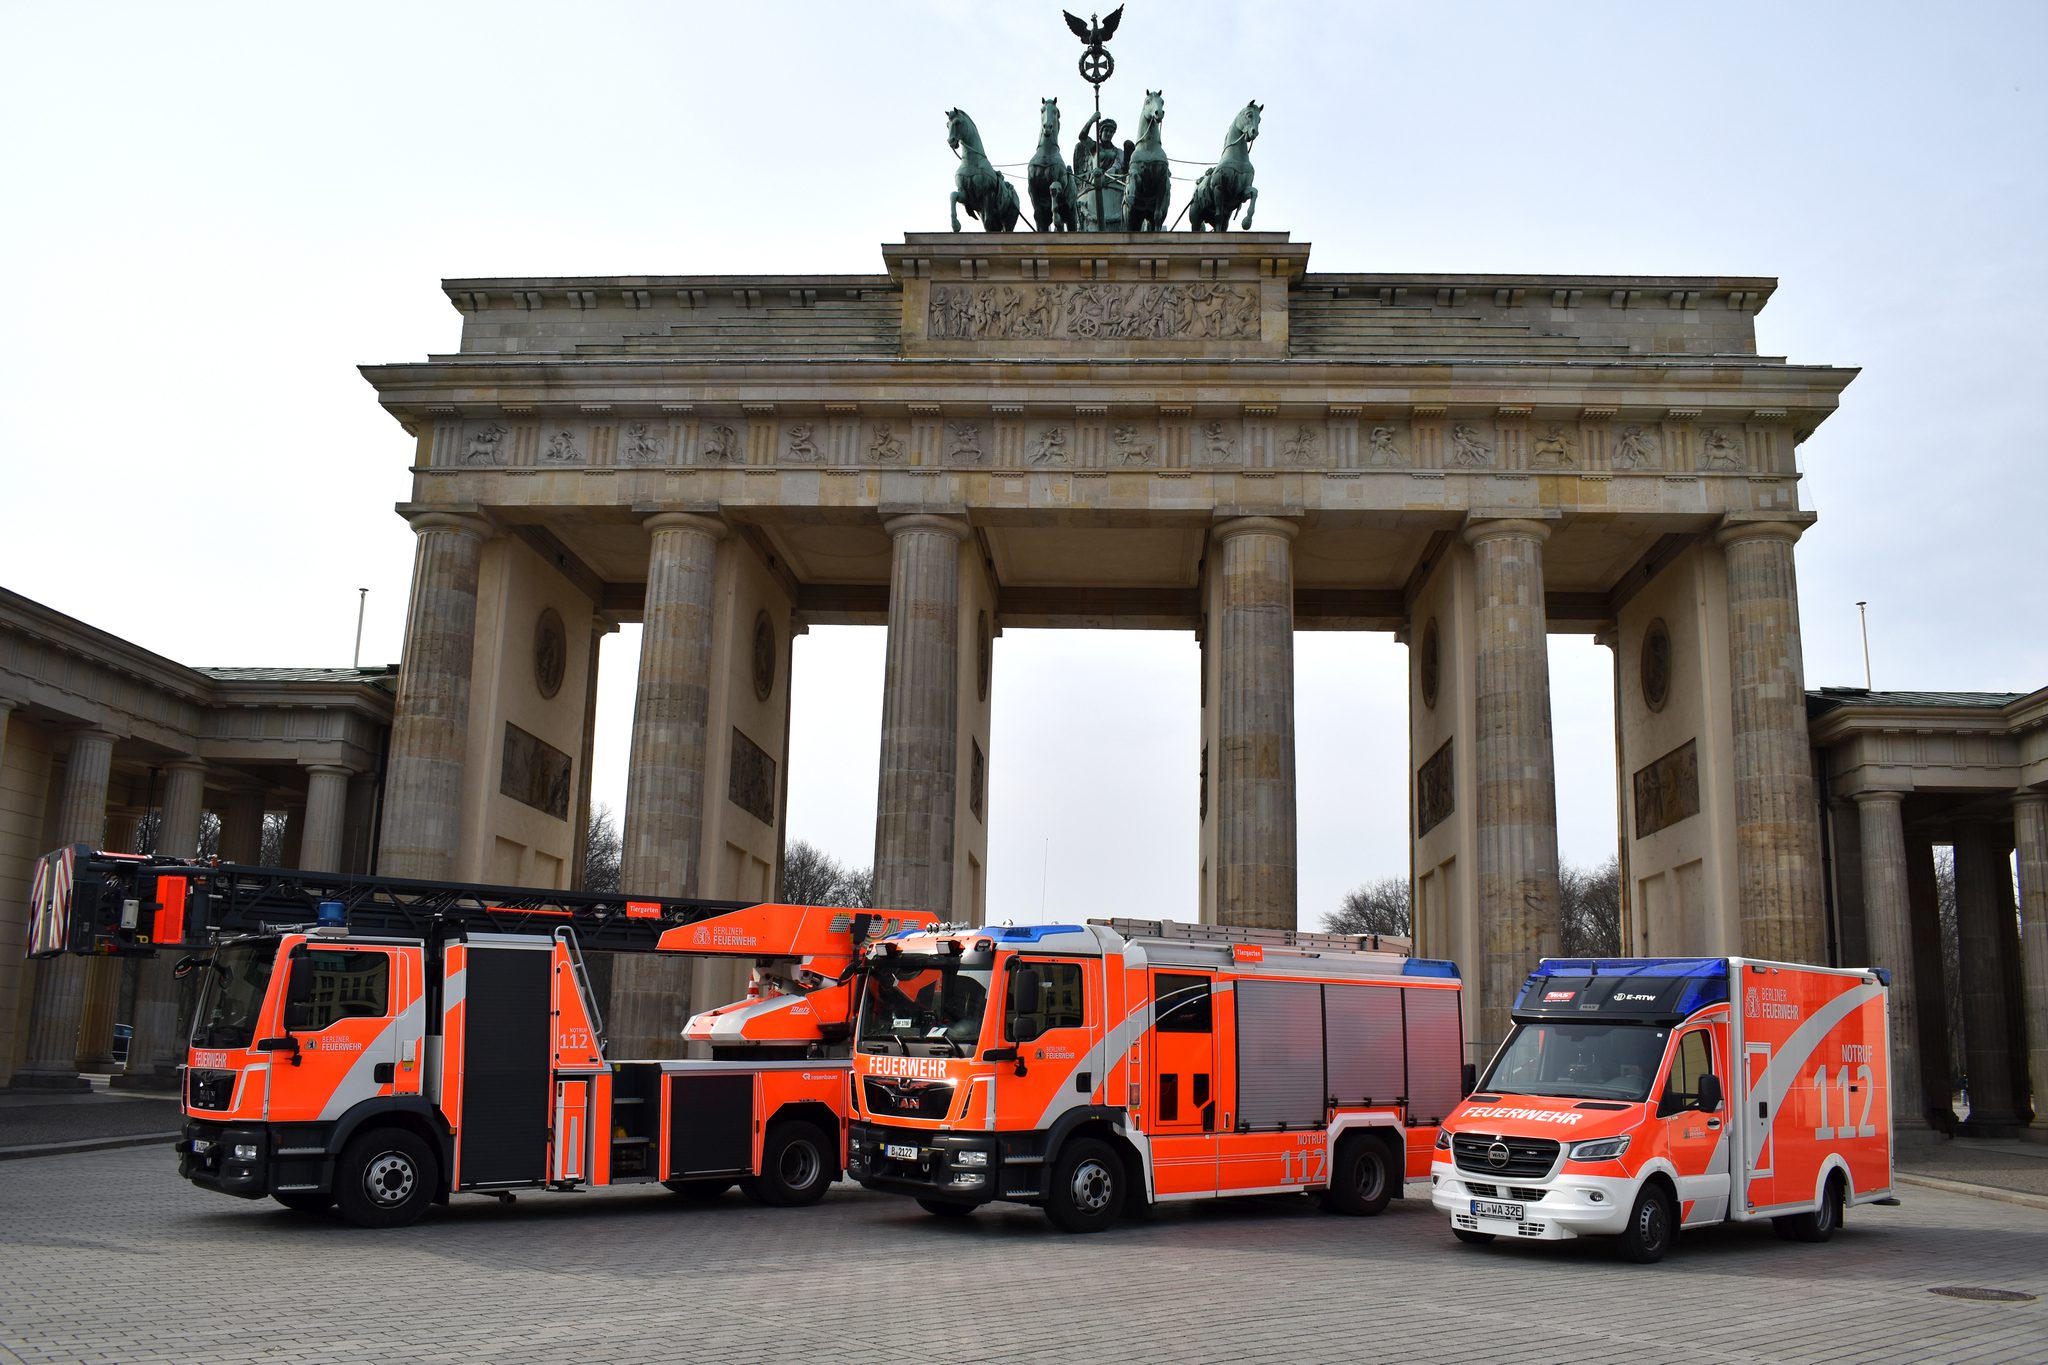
[1094, 312]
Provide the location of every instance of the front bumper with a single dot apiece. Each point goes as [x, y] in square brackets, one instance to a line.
[929, 1164]
[1564, 1205]
[230, 1158]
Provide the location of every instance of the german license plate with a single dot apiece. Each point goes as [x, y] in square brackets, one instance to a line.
[1494, 1208]
[896, 1151]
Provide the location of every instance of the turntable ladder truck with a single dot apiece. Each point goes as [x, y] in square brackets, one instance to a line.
[381, 1044]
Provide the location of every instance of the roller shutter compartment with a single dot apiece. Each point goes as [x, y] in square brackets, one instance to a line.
[1436, 1053]
[1367, 1053]
[1280, 1054]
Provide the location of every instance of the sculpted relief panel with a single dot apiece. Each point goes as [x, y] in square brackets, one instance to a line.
[1093, 312]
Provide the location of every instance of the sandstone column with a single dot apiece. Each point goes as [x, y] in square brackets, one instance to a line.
[53, 1029]
[664, 822]
[1937, 1073]
[430, 725]
[920, 717]
[326, 808]
[1777, 825]
[156, 1049]
[1986, 941]
[1513, 764]
[1254, 763]
[241, 826]
[600, 626]
[2030, 834]
[1887, 918]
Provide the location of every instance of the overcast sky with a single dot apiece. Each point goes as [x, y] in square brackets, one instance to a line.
[216, 212]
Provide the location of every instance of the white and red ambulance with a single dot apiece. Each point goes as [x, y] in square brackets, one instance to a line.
[1639, 1096]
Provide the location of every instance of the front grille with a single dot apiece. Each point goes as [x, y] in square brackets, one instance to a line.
[209, 1089]
[1475, 1152]
[1529, 1229]
[1527, 1196]
[908, 1099]
[1484, 1191]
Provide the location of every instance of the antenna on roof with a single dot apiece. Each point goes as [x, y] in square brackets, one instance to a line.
[1863, 619]
[362, 601]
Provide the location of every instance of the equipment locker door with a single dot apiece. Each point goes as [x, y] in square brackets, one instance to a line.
[507, 1094]
[1179, 1087]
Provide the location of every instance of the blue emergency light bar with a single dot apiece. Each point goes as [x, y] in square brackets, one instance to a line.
[331, 915]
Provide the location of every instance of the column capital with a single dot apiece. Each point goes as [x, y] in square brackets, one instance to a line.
[704, 524]
[603, 624]
[2029, 799]
[1522, 525]
[90, 732]
[1878, 798]
[957, 527]
[1741, 526]
[1229, 527]
[470, 521]
[336, 769]
[186, 763]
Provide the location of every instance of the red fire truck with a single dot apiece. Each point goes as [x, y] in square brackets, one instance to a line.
[380, 1044]
[1639, 1096]
[1087, 1068]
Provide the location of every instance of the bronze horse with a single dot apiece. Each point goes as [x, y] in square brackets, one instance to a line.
[978, 184]
[1048, 176]
[1228, 183]
[1148, 187]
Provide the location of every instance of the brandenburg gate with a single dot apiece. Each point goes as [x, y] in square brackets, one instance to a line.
[1190, 431]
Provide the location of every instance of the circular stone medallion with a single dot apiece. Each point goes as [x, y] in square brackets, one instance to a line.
[1431, 664]
[1656, 665]
[764, 656]
[550, 652]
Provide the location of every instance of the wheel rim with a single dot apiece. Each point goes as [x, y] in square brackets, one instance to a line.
[1371, 1178]
[1092, 1186]
[799, 1166]
[389, 1178]
[1650, 1223]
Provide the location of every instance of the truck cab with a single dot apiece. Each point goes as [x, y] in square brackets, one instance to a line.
[1636, 1097]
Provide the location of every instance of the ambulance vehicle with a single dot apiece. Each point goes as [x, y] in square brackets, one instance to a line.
[1639, 1096]
[1090, 1068]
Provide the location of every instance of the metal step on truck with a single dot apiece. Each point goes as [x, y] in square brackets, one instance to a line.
[381, 1044]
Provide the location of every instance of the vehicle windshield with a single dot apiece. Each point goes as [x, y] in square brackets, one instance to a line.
[1579, 1061]
[929, 1005]
[232, 986]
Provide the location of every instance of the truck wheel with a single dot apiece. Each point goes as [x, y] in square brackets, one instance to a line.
[1361, 1177]
[305, 1201]
[697, 1191]
[1466, 1235]
[385, 1179]
[946, 1208]
[1651, 1226]
[794, 1167]
[1087, 1189]
[1820, 1225]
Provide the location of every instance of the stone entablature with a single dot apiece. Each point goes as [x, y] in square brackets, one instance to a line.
[1990, 742]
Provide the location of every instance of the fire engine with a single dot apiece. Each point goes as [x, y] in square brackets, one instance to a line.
[380, 1044]
[1639, 1096]
[1089, 1067]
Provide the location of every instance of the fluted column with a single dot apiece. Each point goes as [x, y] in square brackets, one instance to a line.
[665, 783]
[241, 826]
[2030, 835]
[1986, 940]
[156, 1049]
[1253, 631]
[920, 717]
[430, 724]
[1514, 769]
[600, 626]
[325, 814]
[53, 1028]
[1777, 825]
[1887, 919]
[1937, 1072]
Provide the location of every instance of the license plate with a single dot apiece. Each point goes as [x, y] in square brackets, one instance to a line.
[1494, 1208]
[898, 1152]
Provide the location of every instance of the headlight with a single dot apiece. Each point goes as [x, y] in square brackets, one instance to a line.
[1443, 1139]
[970, 1158]
[1599, 1149]
[245, 1151]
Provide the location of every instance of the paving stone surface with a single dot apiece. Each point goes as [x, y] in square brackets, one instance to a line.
[108, 1256]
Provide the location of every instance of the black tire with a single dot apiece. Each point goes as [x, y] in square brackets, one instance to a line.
[305, 1201]
[1783, 1227]
[385, 1179]
[1471, 1238]
[1087, 1191]
[1361, 1177]
[946, 1208]
[697, 1191]
[796, 1166]
[1824, 1221]
[1652, 1227]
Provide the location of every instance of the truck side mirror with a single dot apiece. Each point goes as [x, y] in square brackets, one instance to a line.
[1021, 1020]
[298, 993]
[1710, 1094]
[1468, 1080]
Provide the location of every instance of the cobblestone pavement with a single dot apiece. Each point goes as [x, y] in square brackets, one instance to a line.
[29, 1118]
[108, 1256]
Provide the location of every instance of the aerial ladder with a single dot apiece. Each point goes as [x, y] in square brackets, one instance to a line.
[380, 1044]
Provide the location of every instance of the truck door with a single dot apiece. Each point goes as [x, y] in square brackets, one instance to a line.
[1179, 1087]
[1695, 1139]
[1055, 1024]
[355, 1013]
